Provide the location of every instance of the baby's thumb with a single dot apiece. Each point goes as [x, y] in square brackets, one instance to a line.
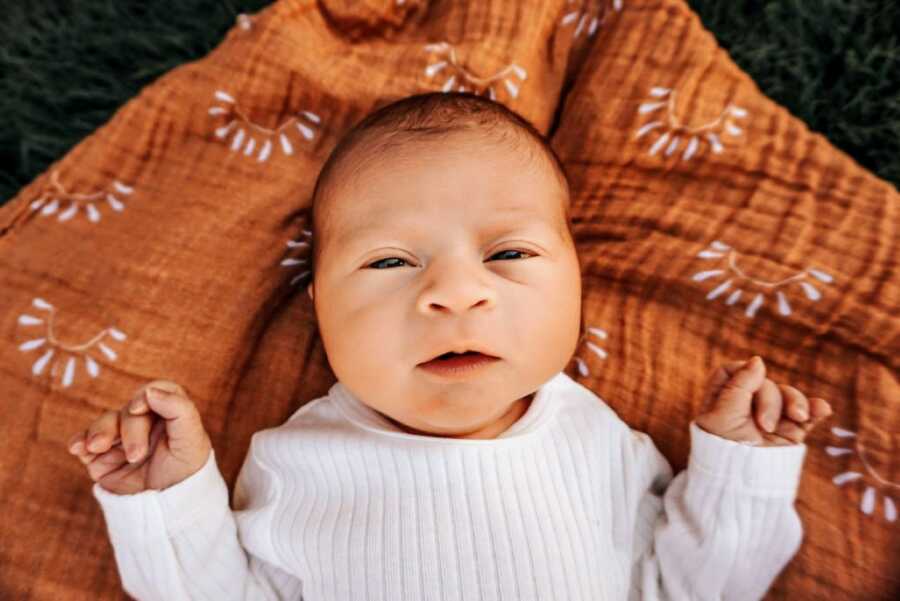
[737, 393]
[183, 422]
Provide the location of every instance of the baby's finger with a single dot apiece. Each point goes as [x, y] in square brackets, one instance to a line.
[183, 423]
[84, 456]
[732, 367]
[796, 403]
[719, 377]
[736, 395]
[135, 432]
[76, 438]
[793, 432]
[138, 403]
[106, 463]
[102, 432]
[768, 406]
[819, 410]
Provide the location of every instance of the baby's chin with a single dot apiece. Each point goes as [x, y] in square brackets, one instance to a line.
[458, 423]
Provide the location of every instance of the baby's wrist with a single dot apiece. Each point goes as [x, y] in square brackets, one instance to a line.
[756, 469]
[141, 518]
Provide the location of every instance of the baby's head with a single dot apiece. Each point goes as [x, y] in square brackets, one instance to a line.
[441, 223]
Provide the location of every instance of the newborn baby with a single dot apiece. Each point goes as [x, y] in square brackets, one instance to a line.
[453, 458]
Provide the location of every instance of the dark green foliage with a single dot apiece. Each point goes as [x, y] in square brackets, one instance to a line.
[835, 64]
[66, 66]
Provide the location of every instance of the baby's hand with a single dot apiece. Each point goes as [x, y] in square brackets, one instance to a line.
[162, 432]
[745, 406]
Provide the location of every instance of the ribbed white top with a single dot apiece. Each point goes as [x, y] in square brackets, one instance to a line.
[568, 504]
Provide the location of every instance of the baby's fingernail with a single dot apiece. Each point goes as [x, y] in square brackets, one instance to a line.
[132, 453]
[93, 442]
[136, 405]
[770, 425]
[77, 446]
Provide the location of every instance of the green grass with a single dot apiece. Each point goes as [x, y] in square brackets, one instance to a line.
[66, 66]
[835, 64]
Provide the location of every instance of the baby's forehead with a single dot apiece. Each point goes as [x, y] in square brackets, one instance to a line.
[400, 147]
[357, 223]
[362, 228]
[513, 158]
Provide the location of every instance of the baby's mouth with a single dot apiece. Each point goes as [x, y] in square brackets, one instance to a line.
[449, 354]
[452, 355]
[452, 364]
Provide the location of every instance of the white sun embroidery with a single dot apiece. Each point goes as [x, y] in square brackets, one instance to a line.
[245, 21]
[459, 75]
[246, 130]
[869, 496]
[59, 195]
[74, 350]
[672, 128]
[582, 17]
[582, 365]
[291, 261]
[720, 249]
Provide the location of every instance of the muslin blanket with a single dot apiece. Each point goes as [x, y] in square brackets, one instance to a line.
[711, 225]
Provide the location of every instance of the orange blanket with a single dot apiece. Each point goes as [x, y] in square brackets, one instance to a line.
[711, 224]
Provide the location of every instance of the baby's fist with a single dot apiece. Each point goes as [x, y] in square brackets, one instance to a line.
[154, 441]
[745, 406]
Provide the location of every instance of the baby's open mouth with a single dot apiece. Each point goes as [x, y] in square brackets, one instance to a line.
[452, 355]
[452, 364]
[449, 354]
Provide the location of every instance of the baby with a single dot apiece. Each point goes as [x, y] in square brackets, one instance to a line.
[453, 458]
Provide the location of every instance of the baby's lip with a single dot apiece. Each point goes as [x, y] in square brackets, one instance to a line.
[460, 350]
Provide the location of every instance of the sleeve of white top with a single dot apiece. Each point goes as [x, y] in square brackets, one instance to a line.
[723, 528]
[184, 542]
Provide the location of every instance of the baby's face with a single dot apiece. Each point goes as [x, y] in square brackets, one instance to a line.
[418, 262]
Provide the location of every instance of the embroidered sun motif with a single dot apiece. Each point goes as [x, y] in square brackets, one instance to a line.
[465, 80]
[59, 195]
[734, 274]
[291, 261]
[245, 21]
[582, 15]
[582, 365]
[74, 350]
[672, 128]
[869, 496]
[247, 131]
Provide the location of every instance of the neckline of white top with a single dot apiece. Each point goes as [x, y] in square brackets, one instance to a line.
[540, 412]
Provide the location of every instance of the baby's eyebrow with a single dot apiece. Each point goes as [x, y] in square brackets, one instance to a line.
[505, 219]
[497, 228]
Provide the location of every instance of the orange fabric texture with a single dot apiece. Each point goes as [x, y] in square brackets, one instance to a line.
[711, 225]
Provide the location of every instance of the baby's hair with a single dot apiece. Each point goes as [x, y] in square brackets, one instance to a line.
[430, 115]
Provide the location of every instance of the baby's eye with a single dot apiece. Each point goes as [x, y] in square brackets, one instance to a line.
[383, 260]
[404, 261]
[512, 251]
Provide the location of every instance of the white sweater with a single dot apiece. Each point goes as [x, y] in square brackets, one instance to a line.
[568, 504]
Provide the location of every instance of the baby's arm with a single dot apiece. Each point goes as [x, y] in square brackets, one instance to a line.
[184, 542]
[166, 504]
[726, 526]
[723, 528]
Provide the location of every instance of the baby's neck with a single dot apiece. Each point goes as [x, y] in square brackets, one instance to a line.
[492, 430]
